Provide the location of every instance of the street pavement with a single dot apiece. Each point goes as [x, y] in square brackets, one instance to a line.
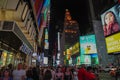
[105, 76]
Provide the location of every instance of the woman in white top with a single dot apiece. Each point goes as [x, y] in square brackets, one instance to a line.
[75, 74]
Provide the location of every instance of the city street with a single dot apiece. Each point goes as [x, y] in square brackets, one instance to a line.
[105, 76]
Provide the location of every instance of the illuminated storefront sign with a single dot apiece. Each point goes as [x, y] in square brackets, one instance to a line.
[6, 58]
[25, 49]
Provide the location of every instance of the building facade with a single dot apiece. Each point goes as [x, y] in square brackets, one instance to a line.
[18, 32]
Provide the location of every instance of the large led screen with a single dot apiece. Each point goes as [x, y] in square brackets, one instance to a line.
[88, 44]
[75, 48]
[111, 20]
[94, 59]
[113, 43]
[45, 60]
[78, 60]
[85, 59]
[111, 26]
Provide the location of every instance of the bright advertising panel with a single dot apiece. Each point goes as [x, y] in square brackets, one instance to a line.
[111, 26]
[45, 60]
[78, 60]
[75, 48]
[85, 59]
[88, 44]
[111, 20]
[46, 45]
[113, 43]
[94, 59]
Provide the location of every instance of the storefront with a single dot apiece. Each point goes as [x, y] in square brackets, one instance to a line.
[14, 47]
[6, 58]
[9, 57]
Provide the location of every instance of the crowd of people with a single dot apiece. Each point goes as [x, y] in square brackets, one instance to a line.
[82, 72]
[48, 73]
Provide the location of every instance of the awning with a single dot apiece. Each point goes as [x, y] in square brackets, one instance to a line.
[11, 35]
[9, 38]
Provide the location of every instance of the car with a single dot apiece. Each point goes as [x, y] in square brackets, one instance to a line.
[106, 69]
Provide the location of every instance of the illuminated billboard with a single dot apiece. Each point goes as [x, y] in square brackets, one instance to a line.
[113, 43]
[88, 44]
[37, 5]
[75, 48]
[85, 59]
[45, 61]
[46, 33]
[78, 60]
[111, 26]
[46, 45]
[94, 59]
[111, 20]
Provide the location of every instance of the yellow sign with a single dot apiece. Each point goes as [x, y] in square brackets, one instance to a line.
[113, 43]
[69, 51]
[75, 48]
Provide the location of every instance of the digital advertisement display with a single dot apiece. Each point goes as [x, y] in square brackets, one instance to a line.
[37, 5]
[46, 33]
[75, 48]
[111, 26]
[78, 60]
[88, 44]
[94, 59]
[46, 46]
[68, 56]
[113, 43]
[111, 20]
[85, 59]
[45, 60]
[69, 51]
[70, 61]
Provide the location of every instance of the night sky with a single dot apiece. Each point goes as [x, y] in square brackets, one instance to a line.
[78, 9]
[79, 12]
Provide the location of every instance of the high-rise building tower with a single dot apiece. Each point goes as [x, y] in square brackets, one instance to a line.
[70, 33]
[71, 30]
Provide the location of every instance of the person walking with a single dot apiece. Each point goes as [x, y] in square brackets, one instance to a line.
[6, 75]
[19, 73]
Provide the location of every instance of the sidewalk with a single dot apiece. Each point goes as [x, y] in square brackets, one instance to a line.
[105, 76]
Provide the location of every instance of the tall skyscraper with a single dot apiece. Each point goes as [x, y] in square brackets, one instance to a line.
[70, 34]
